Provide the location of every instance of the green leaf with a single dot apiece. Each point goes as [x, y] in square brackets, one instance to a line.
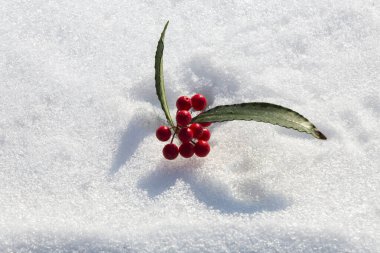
[159, 77]
[262, 112]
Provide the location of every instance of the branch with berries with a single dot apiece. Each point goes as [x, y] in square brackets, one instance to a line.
[193, 132]
[193, 136]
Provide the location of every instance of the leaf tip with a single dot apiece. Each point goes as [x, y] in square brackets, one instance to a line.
[320, 135]
[165, 27]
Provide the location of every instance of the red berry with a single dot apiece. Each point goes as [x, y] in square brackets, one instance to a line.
[197, 130]
[199, 102]
[185, 134]
[201, 148]
[205, 124]
[205, 135]
[183, 118]
[163, 133]
[183, 103]
[170, 151]
[186, 150]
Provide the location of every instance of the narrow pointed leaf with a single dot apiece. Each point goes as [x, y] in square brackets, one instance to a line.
[159, 77]
[262, 112]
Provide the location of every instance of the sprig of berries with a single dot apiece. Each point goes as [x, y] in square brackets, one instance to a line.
[194, 137]
[193, 132]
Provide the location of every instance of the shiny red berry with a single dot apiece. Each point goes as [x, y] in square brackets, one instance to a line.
[205, 135]
[186, 150]
[197, 130]
[183, 103]
[199, 102]
[205, 124]
[202, 148]
[185, 134]
[183, 118]
[170, 151]
[163, 133]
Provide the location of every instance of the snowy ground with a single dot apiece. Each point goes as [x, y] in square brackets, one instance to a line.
[81, 170]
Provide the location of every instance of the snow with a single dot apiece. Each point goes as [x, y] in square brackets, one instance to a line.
[81, 170]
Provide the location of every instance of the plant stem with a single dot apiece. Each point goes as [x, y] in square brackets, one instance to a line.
[175, 132]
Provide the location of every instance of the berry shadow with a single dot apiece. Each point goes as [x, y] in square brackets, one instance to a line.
[212, 192]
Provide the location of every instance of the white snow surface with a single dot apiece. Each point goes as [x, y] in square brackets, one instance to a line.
[81, 169]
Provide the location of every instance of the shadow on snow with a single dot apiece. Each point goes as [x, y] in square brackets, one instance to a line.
[212, 192]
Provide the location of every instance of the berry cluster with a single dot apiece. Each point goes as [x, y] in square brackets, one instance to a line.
[193, 136]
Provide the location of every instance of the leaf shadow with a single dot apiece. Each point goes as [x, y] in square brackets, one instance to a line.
[141, 125]
[145, 91]
[211, 80]
[211, 192]
[204, 76]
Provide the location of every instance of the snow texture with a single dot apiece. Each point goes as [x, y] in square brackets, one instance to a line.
[82, 171]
